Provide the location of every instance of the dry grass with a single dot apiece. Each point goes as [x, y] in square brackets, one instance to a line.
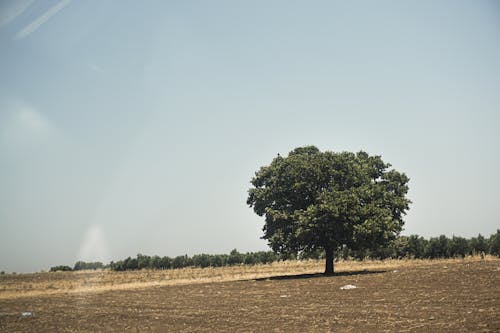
[39, 284]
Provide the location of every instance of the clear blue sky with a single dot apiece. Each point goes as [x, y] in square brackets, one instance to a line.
[135, 127]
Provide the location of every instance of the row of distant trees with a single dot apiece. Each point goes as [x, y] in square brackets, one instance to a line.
[156, 262]
[198, 260]
[79, 266]
[414, 246]
[417, 247]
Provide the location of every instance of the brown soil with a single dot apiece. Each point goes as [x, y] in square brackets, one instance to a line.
[439, 296]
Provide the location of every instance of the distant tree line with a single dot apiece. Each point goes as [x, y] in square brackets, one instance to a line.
[79, 266]
[198, 260]
[62, 268]
[417, 247]
[412, 247]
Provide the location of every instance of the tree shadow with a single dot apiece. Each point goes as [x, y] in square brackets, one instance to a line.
[317, 275]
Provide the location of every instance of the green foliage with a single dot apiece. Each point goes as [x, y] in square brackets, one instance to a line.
[181, 261]
[155, 262]
[81, 265]
[235, 258]
[478, 245]
[438, 247]
[60, 268]
[218, 260]
[417, 246]
[311, 254]
[143, 261]
[199, 260]
[495, 244]
[166, 263]
[458, 247]
[316, 200]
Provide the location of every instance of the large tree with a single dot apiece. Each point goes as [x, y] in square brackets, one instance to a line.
[315, 200]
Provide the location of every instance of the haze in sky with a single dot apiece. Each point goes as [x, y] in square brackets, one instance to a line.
[135, 127]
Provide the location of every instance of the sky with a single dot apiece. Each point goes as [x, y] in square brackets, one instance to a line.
[135, 127]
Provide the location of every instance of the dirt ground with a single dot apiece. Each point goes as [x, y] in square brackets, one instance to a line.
[441, 296]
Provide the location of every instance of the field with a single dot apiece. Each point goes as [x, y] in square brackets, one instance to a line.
[390, 296]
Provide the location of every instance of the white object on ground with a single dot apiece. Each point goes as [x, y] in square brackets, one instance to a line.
[26, 314]
[348, 286]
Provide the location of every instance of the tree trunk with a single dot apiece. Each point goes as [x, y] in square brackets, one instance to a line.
[329, 260]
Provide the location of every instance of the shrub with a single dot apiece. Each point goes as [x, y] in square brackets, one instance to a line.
[60, 268]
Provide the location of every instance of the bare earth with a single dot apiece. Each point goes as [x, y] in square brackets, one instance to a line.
[392, 296]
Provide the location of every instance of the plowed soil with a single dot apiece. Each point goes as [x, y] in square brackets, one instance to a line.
[443, 296]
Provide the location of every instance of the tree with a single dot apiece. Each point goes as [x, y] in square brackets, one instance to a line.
[495, 244]
[218, 260]
[416, 246]
[143, 261]
[166, 262]
[458, 247]
[63, 268]
[155, 262]
[81, 265]
[201, 260]
[235, 258]
[325, 200]
[478, 244]
[179, 261]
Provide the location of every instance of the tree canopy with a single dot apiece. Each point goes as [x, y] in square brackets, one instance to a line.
[315, 200]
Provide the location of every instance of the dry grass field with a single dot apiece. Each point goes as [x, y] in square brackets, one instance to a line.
[391, 296]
